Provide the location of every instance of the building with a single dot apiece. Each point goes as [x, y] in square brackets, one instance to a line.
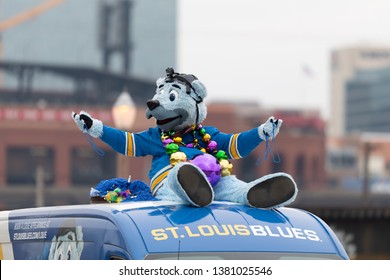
[140, 31]
[344, 65]
[360, 162]
[360, 105]
[367, 101]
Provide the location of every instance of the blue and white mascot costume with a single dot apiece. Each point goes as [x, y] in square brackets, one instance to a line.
[190, 162]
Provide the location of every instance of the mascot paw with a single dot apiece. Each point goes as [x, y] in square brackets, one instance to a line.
[275, 190]
[270, 128]
[87, 124]
[195, 185]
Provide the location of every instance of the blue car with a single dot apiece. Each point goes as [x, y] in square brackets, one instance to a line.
[165, 230]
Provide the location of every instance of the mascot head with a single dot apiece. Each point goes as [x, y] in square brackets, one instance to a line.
[68, 244]
[178, 102]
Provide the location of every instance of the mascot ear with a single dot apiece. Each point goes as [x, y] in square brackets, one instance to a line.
[160, 81]
[201, 93]
[200, 89]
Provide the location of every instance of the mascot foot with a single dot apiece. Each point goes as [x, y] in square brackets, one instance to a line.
[272, 192]
[195, 185]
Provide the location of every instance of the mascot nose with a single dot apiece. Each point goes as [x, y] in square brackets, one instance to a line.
[152, 104]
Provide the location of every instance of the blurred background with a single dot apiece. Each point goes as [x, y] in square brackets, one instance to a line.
[322, 68]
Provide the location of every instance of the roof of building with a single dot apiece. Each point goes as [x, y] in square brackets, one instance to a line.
[91, 86]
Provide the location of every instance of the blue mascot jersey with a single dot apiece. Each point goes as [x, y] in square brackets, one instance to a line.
[149, 142]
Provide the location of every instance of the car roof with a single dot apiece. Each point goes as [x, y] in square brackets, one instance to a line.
[163, 227]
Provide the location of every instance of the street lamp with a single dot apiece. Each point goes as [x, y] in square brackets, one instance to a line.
[123, 113]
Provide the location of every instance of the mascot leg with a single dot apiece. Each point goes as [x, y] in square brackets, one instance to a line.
[270, 191]
[229, 188]
[187, 183]
[273, 190]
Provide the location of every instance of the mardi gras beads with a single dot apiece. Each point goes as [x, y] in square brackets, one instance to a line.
[220, 155]
[116, 195]
[177, 157]
[173, 140]
[210, 166]
[226, 167]
[171, 148]
[209, 146]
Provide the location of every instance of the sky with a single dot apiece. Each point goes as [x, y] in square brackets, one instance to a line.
[275, 53]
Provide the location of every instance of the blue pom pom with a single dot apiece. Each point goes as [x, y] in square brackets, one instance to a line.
[139, 191]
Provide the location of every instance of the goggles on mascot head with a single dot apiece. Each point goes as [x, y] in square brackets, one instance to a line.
[185, 79]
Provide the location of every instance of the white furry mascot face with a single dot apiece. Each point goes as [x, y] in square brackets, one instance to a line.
[178, 102]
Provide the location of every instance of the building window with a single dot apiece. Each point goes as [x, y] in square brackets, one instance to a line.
[90, 168]
[22, 164]
[342, 159]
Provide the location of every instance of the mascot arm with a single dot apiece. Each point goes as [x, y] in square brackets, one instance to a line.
[144, 143]
[115, 138]
[242, 144]
[238, 145]
[131, 144]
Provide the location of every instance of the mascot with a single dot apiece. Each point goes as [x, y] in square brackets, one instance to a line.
[190, 162]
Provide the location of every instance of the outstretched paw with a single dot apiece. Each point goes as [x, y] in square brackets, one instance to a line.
[87, 124]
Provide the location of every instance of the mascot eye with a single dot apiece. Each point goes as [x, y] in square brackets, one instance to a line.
[173, 94]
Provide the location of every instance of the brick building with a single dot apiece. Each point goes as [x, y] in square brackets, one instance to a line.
[47, 137]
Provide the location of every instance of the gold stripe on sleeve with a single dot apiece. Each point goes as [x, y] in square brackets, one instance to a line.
[233, 147]
[130, 150]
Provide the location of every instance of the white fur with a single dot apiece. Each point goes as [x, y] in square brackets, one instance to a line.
[230, 188]
[96, 129]
[269, 130]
